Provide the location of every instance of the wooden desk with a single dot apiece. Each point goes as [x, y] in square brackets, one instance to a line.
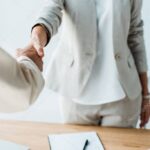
[34, 135]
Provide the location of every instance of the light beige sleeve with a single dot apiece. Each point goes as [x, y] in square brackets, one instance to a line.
[20, 83]
[136, 37]
[51, 15]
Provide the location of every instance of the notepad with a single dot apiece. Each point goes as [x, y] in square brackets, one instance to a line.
[5, 145]
[75, 141]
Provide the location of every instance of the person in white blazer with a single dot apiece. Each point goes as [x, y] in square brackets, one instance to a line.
[71, 70]
[21, 80]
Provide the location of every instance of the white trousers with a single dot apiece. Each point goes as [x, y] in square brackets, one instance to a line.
[122, 113]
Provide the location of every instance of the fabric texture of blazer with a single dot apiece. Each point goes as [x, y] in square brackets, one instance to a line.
[71, 63]
[20, 83]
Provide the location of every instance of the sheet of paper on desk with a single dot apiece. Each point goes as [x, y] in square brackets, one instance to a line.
[5, 145]
[75, 141]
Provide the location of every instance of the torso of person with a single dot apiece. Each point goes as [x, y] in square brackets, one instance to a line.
[103, 85]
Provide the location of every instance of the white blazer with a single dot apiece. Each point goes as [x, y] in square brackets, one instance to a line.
[73, 59]
[20, 83]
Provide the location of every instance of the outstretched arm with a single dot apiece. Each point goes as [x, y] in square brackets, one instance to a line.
[20, 81]
[47, 24]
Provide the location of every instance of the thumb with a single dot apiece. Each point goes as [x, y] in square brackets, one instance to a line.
[40, 51]
[38, 46]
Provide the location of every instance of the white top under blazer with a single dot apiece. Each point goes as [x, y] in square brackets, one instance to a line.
[103, 85]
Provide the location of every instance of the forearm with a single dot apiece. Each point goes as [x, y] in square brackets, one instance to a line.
[51, 15]
[20, 83]
[136, 40]
[144, 82]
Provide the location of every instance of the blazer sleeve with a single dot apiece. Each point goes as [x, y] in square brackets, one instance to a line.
[51, 15]
[136, 37]
[20, 83]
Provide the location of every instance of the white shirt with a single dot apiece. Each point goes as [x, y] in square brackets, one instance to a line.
[103, 85]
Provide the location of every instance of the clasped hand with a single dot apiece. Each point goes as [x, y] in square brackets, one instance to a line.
[35, 49]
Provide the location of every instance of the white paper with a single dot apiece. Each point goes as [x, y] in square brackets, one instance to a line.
[75, 141]
[5, 145]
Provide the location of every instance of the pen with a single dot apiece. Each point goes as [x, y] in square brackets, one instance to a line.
[86, 144]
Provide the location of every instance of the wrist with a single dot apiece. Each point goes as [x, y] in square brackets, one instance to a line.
[41, 30]
[144, 83]
[145, 91]
[146, 97]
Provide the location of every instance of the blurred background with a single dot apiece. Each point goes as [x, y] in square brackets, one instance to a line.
[17, 18]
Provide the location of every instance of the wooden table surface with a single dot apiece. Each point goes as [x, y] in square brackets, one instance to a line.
[35, 135]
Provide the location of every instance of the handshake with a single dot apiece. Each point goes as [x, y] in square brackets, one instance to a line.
[35, 49]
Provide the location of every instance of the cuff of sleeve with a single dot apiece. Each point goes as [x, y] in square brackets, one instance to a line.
[25, 58]
[142, 67]
[37, 80]
[46, 25]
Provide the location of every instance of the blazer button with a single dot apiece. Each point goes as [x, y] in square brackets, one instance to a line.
[117, 56]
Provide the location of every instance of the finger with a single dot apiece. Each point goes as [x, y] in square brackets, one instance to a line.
[18, 52]
[145, 118]
[21, 51]
[37, 43]
[41, 69]
[41, 65]
[40, 52]
[142, 120]
[147, 115]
